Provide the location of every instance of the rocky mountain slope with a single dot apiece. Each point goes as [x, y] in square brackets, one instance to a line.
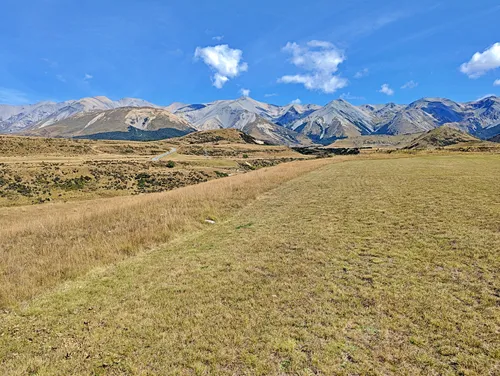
[270, 133]
[479, 118]
[128, 123]
[382, 113]
[238, 113]
[14, 119]
[340, 119]
[337, 119]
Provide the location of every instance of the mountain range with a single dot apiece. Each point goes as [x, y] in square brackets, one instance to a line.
[294, 124]
[124, 123]
[15, 119]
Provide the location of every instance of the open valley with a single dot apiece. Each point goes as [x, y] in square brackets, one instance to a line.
[265, 188]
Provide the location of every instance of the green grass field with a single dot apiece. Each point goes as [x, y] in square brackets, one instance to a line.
[365, 267]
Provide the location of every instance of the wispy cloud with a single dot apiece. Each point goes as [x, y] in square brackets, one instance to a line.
[61, 78]
[175, 52]
[382, 20]
[441, 27]
[50, 63]
[13, 96]
[410, 85]
[385, 89]
[87, 77]
[218, 38]
[245, 92]
[224, 61]
[362, 73]
[269, 95]
[369, 23]
[320, 60]
[482, 62]
[350, 97]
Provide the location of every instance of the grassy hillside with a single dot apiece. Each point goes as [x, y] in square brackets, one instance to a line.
[441, 137]
[381, 267]
[495, 139]
[451, 140]
[223, 136]
[22, 146]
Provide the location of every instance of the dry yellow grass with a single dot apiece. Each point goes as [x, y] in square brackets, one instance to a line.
[38, 170]
[42, 246]
[22, 146]
[369, 267]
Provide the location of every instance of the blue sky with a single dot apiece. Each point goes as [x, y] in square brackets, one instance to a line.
[280, 51]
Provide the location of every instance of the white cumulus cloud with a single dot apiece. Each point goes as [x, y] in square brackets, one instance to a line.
[410, 85]
[245, 92]
[481, 62]
[320, 60]
[362, 73]
[497, 82]
[219, 80]
[296, 101]
[385, 89]
[224, 61]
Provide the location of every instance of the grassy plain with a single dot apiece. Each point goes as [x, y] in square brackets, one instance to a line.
[42, 245]
[40, 170]
[366, 267]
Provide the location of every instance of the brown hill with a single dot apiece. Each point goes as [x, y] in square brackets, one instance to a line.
[439, 138]
[495, 139]
[232, 136]
[260, 131]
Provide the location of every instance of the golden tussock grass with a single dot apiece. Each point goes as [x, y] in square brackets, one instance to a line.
[369, 267]
[41, 246]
